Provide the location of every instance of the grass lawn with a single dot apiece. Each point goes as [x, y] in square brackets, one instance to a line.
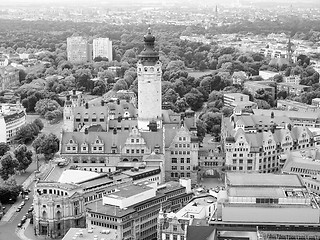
[48, 128]
[197, 74]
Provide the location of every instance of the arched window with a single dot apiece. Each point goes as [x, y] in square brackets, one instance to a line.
[58, 215]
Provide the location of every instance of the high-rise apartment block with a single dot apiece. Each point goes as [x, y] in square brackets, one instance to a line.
[102, 47]
[78, 50]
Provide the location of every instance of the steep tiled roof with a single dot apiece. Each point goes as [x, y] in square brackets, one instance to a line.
[110, 139]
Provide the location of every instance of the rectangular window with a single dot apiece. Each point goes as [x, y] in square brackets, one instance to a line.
[142, 150]
[132, 150]
[182, 160]
[132, 140]
[188, 160]
[174, 160]
[182, 168]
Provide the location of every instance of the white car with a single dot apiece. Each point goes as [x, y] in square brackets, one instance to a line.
[26, 198]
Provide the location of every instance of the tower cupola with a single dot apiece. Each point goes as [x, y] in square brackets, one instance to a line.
[148, 54]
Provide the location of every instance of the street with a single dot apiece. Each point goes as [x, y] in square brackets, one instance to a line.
[8, 229]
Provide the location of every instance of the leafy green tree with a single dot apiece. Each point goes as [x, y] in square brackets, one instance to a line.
[23, 156]
[201, 129]
[8, 165]
[46, 105]
[9, 191]
[4, 148]
[39, 123]
[107, 76]
[27, 133]
[121, 84]
[175, 66]
[99, 88]
[47, 145]
[194, 99]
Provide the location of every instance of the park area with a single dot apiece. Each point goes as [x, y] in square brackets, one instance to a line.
[48, 127]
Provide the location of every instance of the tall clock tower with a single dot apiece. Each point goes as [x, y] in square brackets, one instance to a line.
[149, 86]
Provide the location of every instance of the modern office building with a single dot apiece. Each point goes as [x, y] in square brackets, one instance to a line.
[132, 211]
[12, 117]
[268, 202]
[78, 50]
[9, 78]
[229, 98]
[102, 47]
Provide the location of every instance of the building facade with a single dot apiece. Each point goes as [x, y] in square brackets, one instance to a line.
[149, 86]
[256, 143]
[12, 118]
[266, 201]
[133, 212]
[9, 78]
[78, 50]
[102, 47]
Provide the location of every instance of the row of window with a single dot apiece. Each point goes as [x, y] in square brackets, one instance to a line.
[135, 151]
[101, 224]
[175, 160]
[54, 191]
[150, 204]
[180, 152]
[180, 174]
[181, 168]
[182, 145]
[305, 171]
[174, 237]
[94, 215]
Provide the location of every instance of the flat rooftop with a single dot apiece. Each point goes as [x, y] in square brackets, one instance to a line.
[139, 171]
[109, 210]
[262, 180]
[129, 191]
[89, 234]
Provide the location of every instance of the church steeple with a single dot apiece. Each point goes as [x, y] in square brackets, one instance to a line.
[149, 54]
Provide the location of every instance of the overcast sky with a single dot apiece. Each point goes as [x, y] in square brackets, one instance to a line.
[134, 2]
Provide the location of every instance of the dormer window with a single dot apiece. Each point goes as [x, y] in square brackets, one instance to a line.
[71, 141]
[97, 141]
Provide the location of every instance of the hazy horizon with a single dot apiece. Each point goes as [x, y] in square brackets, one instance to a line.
[132, 3]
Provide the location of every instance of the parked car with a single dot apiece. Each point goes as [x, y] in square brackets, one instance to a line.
[18, 209]
[22, 203]
[26, 198]
[19, 225]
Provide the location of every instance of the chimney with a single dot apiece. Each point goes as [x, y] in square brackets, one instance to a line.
[87, 105]
[102, 103]
[68, 97]
[272, 114]
[114, 130]
[118, 101]
[74, 92]
[86, 131]
[119, 118]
